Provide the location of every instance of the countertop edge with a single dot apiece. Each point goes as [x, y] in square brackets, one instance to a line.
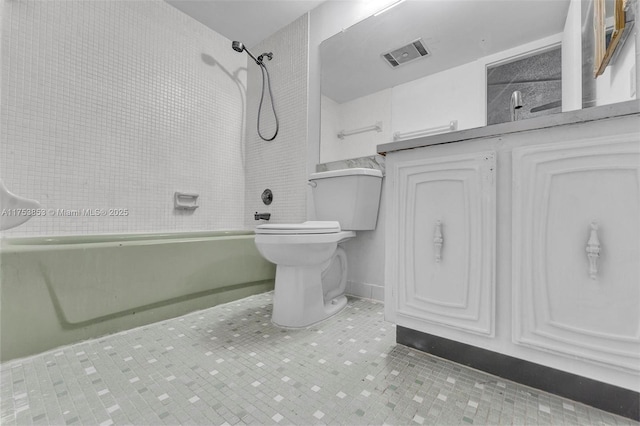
[562, 119]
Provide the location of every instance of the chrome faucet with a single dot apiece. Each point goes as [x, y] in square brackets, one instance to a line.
[516, 104]
[259, 216]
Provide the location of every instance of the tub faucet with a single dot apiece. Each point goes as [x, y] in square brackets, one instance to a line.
[265, 216]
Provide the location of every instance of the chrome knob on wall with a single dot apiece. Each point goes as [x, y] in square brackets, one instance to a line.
[267, 196]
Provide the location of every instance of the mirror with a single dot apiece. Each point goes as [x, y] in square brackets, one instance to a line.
[443, 84]
[609, 17]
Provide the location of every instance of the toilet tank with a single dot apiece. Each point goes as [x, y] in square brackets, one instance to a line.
[350, 196]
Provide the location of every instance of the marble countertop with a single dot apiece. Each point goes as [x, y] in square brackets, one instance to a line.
[553, 120]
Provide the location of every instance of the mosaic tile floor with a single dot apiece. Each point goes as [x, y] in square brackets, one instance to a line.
[229, 365]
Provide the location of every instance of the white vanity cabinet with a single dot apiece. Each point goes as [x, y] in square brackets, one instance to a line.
[524, 244]
[576, 249]
[445, 239]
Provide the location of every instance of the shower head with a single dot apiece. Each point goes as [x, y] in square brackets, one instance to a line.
[237, 46]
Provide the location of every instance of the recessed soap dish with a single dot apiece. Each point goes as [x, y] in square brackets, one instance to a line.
[185, 201]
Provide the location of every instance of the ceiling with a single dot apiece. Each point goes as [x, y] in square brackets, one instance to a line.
[248, 21]
[455, 32]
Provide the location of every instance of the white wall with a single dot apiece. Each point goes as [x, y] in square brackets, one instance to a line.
[365, 257]
[356, 114]
[572, 58]
[636, 31]
[435, 100]
[109, 104]
[280, 164]
[329, 128]
[432, 101]
[614, 84]
[331, 17]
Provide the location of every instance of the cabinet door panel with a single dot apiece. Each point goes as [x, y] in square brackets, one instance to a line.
[575, 200]
[442, 282]
[446, 240]
[568, 199]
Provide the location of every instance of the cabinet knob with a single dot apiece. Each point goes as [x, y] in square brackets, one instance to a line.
[593, 251]
[437, 241]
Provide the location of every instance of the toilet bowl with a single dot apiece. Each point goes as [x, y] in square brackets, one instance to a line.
[311, 266]
[311, 271]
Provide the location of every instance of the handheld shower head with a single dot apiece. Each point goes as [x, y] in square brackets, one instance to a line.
[237, 46]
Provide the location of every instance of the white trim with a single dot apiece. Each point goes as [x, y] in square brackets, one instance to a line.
[524, 50]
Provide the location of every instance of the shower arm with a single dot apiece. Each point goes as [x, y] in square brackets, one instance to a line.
[258, 62]
[259, 59]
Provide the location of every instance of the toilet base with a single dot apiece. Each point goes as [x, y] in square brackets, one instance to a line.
[298, 299]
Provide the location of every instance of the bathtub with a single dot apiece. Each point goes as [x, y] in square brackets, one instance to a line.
[60, 290]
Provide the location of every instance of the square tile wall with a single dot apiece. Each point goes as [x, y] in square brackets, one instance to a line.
[118, 104]
[279, 165]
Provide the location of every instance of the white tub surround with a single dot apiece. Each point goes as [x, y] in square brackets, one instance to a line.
[118, 105]
[279, 165]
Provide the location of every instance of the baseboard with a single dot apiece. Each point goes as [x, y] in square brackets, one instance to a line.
[365, 290]
[604, 396]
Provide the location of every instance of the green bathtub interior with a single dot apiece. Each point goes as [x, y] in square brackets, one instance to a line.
[59, 290]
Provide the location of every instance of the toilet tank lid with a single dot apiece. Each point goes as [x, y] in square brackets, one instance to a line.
[310, 227]
[346, 172]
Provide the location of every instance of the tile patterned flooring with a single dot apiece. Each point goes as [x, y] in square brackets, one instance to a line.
[229, 365]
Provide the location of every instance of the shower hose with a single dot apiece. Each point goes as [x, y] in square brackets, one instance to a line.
[263, 69]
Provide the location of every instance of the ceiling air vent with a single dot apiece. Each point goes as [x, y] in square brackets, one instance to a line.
[412, 51]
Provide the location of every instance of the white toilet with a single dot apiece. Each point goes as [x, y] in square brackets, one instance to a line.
[311, 272]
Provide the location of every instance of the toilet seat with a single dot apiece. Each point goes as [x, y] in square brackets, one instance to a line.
[309, 227]
[302, 238]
